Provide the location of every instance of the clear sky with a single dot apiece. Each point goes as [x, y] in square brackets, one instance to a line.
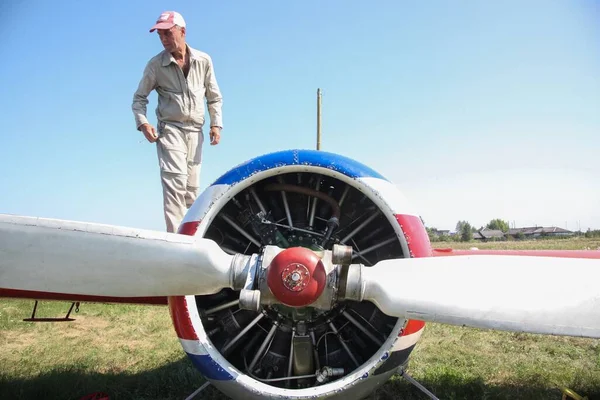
[477, 110]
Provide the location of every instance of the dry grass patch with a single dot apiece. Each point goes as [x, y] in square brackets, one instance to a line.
[576, 243]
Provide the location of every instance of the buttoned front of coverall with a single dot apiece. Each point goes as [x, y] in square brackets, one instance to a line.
[180, 115]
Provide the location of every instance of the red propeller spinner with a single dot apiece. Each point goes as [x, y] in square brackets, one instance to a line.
[296, 277]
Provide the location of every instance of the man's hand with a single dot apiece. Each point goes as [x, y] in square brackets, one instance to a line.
[150, 133]
[215, 135]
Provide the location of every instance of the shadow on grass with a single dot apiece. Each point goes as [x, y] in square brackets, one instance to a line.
[451, 387]
[176, 380]
[179, 379]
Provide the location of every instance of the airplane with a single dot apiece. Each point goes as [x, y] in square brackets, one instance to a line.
[300, 274]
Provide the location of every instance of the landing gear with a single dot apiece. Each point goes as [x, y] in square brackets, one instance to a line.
[63, 319]
[416, 384]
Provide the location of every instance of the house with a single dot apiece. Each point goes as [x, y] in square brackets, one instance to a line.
[555, 231]
[537, 231]
[488, 234]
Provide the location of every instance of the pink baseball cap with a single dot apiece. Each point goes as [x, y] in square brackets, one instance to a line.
[167, 20]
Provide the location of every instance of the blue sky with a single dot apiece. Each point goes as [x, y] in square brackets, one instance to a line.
[477, 110]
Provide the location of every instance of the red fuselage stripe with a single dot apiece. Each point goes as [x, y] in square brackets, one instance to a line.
[31, 294]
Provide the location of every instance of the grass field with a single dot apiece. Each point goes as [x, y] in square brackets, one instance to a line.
[576, 243]
[131, 352]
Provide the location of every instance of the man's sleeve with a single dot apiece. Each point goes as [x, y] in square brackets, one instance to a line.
[140, 97]
[214, 100]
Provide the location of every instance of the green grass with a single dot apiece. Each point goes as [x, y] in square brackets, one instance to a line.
[460, 363]
[132, 352]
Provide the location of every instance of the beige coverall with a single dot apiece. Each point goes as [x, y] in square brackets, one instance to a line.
[180, 114]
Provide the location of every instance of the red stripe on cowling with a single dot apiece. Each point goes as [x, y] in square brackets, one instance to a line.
[178, 307]
[416, 235]
[412, 326]
[419, 246]
[181, 318]
[189, 228]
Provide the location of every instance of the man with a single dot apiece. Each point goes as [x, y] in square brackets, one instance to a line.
[182, 77]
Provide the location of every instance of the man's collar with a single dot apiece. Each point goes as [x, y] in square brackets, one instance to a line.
[168, 57]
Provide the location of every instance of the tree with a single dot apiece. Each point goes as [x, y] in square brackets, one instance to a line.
[498, 224]
[432, 233]
[465, 230]
[520, 235]
[459, 226]
[444, 238]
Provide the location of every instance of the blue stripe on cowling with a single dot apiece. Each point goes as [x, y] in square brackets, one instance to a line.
[336, 162]
[209, 367]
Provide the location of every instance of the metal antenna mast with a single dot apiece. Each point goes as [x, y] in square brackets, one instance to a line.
[318, 119]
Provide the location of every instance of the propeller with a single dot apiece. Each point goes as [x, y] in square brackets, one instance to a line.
[546, 295]
[82, 258]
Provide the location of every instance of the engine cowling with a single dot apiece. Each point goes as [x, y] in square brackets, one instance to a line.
[299, 199]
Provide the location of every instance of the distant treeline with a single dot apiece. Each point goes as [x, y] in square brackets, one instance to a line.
[464, 233]
[590, 233]
[433, 237]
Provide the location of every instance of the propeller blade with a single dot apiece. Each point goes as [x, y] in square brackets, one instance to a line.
[70, 257]
[558, 296]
